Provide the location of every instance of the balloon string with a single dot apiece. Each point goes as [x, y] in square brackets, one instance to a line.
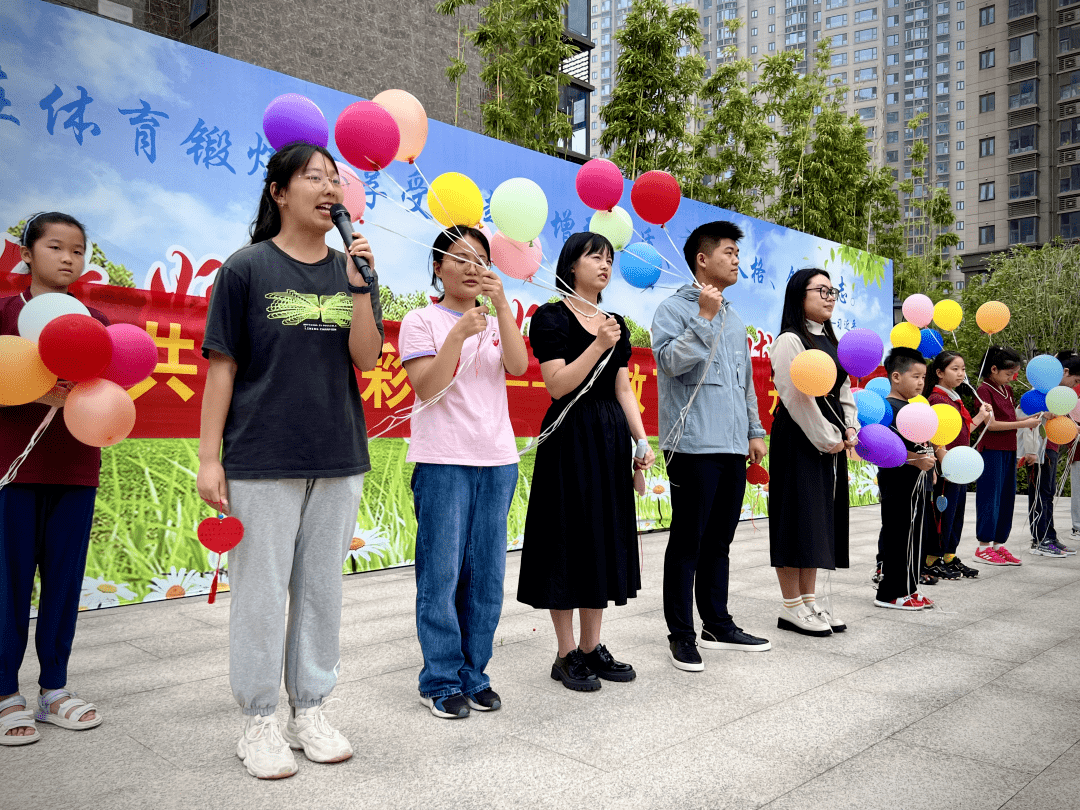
[667, 233]
[680, 270]
[13, 470]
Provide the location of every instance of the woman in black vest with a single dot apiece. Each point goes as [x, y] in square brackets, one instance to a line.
[808, 496]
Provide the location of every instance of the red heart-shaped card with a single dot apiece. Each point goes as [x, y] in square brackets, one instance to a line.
[220, 535]
[757, 475]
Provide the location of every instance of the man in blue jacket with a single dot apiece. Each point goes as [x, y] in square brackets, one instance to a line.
[709, 426]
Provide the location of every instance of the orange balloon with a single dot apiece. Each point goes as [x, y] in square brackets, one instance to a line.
[992, 317]
[411, 119]
[24, 377]
[813, 372]
[99, 413]
[1061, 430]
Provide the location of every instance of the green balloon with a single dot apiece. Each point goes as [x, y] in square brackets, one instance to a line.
[1061, 400]
[519, 208]
[615, 225]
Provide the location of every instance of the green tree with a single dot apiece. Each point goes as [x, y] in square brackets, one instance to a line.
[655, 88]
[458, 67]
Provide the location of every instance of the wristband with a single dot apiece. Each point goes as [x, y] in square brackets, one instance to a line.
[358, 290]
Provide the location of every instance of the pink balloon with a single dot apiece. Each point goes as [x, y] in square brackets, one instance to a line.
[134, 355]
[355, 193]
[99, 413]
[919, 310]
[917, 422]
[516, 259]
[600, 184]
[367, 136]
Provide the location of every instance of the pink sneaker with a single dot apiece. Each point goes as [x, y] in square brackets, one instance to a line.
[926, 602]
[987, 554]
[1007, 556]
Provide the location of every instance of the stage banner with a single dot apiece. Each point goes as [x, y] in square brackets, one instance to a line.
[158, 148]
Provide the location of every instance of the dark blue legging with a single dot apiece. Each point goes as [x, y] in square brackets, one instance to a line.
[951, 520]
[44, 527]
[995, 496]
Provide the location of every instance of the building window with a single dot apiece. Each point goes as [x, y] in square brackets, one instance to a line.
[838, 59]
[866, 35]
[1070, 179]
[1021, 8]
[959, 283]
[893, 21]
[941, 148]
[942, 48]
[986, 191]
[892, 78]
[1021, 139]
[772, 29]
[1027, 93]
[960, 45]
[960, 225]
[866, 55]
[753, 32]
[942, 69]
[892, 137]
[838, 40]
[1025, 184]
[959, 165]
[959, 105]
[1023, 231]
[959, 125]
[960, 26]
[772, 9]
[753, 14]
[892, 118]
[960, 65]
[1070, 132]
[772, 46]
[1021, 49]
[753, 49]
[942, 29]
[986, 234]
[986, 16]
[986, 59]
[892, 156]
[1068, 40]
[836, 21]
[892, 98]
[865, 16]
[959, 205]
[986, 147]
[1070, 225]
[959, 185]
[986, 102]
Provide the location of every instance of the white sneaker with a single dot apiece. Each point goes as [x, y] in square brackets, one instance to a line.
[263, 750]
[803, 620]
[311, 731]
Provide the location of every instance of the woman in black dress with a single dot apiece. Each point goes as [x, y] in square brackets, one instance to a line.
[580, 548]
[808, 497]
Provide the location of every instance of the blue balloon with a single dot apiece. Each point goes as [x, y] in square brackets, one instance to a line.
[886, 420]
[931, 344]
[640, 264]
[880, 386]
[1033, 402]
[871, 407]
[1044, 372]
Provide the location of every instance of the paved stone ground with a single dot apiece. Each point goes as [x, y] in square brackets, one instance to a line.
[975, 705]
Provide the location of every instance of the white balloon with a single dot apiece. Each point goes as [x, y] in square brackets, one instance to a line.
[962, 465]
[41, 309]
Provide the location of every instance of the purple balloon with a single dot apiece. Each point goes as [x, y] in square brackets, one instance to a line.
[860, 352]
[881, 447]
[293, 117]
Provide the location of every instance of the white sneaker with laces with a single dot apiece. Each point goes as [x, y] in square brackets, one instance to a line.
[309, 730]
[263, 750]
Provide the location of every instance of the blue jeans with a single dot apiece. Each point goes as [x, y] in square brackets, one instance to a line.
[460, 564]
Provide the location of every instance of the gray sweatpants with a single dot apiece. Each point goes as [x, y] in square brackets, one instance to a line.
[296, 534]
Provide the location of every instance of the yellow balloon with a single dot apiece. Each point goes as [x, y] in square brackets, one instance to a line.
[905, 334]
[813, 372]
[920, 398]
[949, 424]
[1061, 430]
[454, 199]
[24, 376]
[948, 314]
[992, 317]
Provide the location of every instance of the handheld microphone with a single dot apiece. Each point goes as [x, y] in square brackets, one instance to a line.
[340, 215]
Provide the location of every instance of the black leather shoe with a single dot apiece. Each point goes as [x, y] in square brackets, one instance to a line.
[605, 666]
[575, 673]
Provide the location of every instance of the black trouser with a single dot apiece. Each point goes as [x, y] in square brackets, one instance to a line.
[1041, 480]
[906, 525]
[706, 498]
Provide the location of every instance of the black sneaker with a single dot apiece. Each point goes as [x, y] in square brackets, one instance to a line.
[448, 707]
[963, 570]
[733, 639]
[684, 655]
[926, 578]
[575, 673]
[486, 700]
[940, 570]
[605, 666]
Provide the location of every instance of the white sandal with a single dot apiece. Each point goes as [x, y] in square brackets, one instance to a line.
[18, 719]
[69, 713]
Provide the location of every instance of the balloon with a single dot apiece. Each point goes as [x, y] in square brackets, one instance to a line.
[367, 136]
[813, 372]
[355, 193]
[454, 199]
[930, 343]
[962, 465]
[75, 347]
[948, 314]
[519, 208]
[920, 398]
[905, 334]
[41, 309]
[1061, 400]
[1075, 414]
[411, 120]
[293, 117]
[871, 407]
[640, 264]
[99, 413]
[1033, 402]
[917, 422]
[992, 317]
[599, 184]
[24, 378]
[515, 259]
[614, 225]
[880, 386]
[949, 424]
[1044, 372]
[860, 352]
[656, 197]
[220, 535]
[918, 309]
[881, 447]
[134, 355]
[1061, 430]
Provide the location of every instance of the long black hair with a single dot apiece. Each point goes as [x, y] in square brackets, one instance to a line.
[36, 225]
[446, 239]
[578, 245]
[793, 318]
[281, 167]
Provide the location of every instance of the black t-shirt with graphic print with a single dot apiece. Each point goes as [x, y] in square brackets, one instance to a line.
[296, 409]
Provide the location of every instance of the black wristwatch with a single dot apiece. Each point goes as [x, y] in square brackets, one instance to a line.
[358, 290]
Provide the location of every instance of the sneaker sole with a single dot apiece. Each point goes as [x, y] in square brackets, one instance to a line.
[1040, 553]
[724, 645]
[481, 708]
[297, 745]
[988, 562]
[272, 776]
[577, 686]
[787, 624]
[684, 666]
[897, 607]
[430, 703]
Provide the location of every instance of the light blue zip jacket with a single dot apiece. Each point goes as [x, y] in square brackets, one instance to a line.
[724, 415]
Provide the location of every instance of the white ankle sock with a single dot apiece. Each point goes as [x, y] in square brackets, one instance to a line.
[793, 604]
[808, 600]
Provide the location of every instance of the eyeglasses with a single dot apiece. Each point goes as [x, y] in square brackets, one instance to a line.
[476, 260]
[825, 292]
[318, 181]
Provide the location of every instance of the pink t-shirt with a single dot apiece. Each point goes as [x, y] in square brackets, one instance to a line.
[470, 424]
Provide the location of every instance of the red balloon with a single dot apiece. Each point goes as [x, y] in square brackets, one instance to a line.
[756, 474]
[600, 184]
[221, 535]
[367, 136]
[75, 347]
[656, 196]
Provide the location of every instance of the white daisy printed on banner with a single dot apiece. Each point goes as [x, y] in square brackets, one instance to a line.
[515, 543]
[176, 584]
[366, 542]
[223, 573]
[102, 593]
[864, 478]
[657, 489]
[646, 524]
